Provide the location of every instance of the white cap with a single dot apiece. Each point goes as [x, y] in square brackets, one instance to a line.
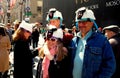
[26, 26]
[84, 13]
[55, 14]
[52, 9]
[58, 33]
[16, 22]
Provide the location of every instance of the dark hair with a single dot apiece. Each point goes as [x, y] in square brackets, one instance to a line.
[63, 26]
[2, 31]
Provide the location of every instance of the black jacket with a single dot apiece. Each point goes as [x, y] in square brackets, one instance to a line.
[22, 60]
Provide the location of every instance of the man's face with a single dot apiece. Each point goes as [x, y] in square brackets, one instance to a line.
[55, 22]
[109, 33]
[85, 26]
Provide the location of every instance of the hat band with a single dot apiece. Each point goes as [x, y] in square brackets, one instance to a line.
[55, 18]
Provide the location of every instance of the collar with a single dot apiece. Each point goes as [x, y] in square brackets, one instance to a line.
[87, 35]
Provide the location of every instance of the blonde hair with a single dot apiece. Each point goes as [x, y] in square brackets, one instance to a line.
[41, 53]
[61, 51]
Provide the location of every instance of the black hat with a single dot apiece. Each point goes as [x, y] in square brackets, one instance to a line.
[113, 28]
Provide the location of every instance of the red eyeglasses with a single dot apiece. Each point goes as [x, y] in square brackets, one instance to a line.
[52, 39]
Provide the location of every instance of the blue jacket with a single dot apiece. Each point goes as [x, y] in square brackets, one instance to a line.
[99, 60]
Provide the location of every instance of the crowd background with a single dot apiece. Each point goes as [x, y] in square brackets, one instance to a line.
[39, 31]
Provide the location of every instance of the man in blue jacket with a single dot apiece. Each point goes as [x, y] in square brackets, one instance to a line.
[92, 55]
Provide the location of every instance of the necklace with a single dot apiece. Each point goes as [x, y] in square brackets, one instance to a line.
[55, 59]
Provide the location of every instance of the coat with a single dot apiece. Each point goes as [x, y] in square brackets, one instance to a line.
[99, 60]
[60, 69]
[5, 46]
[22, 60]
[115, 42]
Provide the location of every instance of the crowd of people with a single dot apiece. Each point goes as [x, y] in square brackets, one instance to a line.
[82, 52]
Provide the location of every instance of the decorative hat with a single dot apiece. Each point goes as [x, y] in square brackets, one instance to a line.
[54, 14]
[83, 14]
[58, 33]
[113, 28]
[50, 31]
[26, 26]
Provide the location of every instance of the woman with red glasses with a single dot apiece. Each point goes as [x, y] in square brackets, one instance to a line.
[54, 54]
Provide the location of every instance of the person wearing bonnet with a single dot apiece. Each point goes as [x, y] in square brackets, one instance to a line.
[112, 32]
[54, 55]
[54, 18]
[91, 53]
[54, 40]
[22, 52]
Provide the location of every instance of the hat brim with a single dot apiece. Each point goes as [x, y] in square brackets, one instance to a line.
[85, 19]
[110, 27]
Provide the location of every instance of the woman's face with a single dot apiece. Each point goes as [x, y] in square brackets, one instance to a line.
[52, 42]
[27, 34]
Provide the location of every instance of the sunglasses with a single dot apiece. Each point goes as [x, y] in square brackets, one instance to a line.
[52, 39]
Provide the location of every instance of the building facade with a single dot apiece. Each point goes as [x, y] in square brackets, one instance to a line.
[22, 10]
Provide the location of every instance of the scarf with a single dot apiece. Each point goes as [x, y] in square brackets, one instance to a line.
[49, 55]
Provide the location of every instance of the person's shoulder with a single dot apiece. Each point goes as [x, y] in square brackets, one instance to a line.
[98, 33]
[74, 38]
[115, 39]
[112, 40]
[100, 36]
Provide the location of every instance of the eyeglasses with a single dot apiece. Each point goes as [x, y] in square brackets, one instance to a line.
[52, 39]
[82, 22]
